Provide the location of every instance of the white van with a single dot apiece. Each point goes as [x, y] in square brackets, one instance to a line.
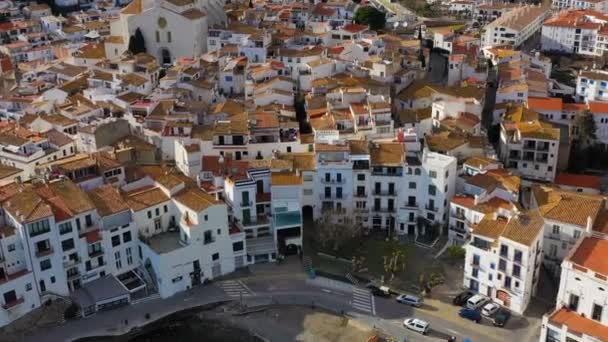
[476, 302]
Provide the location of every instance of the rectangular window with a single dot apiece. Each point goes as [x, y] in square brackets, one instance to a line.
[129, 256]
[237, 246]
[432, 174]
[502, 265]
[157, 211]
[39, 227]
[361, 177]
[555, 229]
[149, 214]
[215, 256]
[65, 228]
[118, 261]
[516, 271]
[169, 36]
[157, 37]
[88, 220]
[412, 185]
[126, 237]
[45, 264]
[597, 312]
[573, 304]
[66, 245]
[432, 190]
[165, 209]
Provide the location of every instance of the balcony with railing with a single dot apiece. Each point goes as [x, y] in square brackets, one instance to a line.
[458, 229]
[385, 193]
[257, 220]
[431, 208]
[410, 206]
[459, 215]
[384, 210]
[73, 274]
[95, 253]
[71, 262]
[13, 303]
[360, 195]
[44, 252]
[246, 204]
[333, 181]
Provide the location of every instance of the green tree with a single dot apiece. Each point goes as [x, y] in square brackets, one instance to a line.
[586, 129]
[368, 15]
[456, 253]
[137, 44]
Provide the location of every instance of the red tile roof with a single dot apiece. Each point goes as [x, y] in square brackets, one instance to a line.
[464, 201]
[354, 28]
[598, 107]
[545, 103]
[579, 324]
[591, 254]
[582, 181]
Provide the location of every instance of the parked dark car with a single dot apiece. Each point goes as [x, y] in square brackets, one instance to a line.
[470, 314]
[501, 317]
[381, 291]
[462, 298]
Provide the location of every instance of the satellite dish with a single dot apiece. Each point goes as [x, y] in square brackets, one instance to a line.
[396, 24]
[404, 24]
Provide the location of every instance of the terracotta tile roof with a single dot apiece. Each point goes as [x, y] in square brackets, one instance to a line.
[65, 198]
[591, 254]
[354, 28]
[583, 181]
[358, 147]
[135, 7]
[480, 162]
[286, 178]
[464, 201]
[545, 103]
[27, 206]
[304, 161]
[195, 199]
[7, 171]
[598, 107]
[387, 154]
[524, 228]
[108, 200]
[490, 227]
[579, 324]
[145, 197]
[324, 147]
[566, 206]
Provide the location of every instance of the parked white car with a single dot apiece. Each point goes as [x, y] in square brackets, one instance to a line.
[417, 325]
[477, 301]
[489, 309]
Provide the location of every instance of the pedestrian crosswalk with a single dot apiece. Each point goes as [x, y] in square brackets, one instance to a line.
[235, 288]
[363, 300]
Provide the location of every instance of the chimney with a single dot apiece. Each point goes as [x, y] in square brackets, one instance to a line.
[476, 200]
[589, 227]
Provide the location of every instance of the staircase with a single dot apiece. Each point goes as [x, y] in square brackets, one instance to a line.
[352, 279]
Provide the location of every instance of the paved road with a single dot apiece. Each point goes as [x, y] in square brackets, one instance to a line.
[389, 315]
[288, 285]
